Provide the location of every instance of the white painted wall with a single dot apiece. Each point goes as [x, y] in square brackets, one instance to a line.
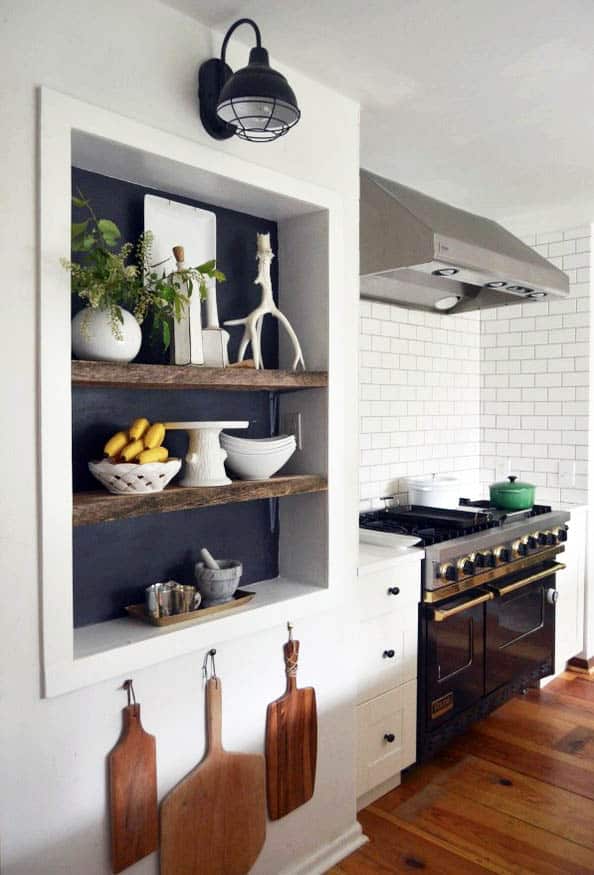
[140, 59]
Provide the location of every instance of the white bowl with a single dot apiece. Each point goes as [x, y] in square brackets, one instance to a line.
[257, 445]
[128, 478]
[258, 466]
[256, 455]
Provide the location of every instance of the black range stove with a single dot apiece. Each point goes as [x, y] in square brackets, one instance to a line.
[487, 606]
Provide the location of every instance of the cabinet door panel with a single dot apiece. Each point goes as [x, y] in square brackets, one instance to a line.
[379, 756]
[569, 620]
[387, 652]
[375, 590]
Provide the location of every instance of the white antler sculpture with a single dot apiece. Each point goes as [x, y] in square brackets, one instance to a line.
[252, 323]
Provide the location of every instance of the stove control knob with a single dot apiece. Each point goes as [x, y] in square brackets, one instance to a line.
[552, 596]
[484, 560]
[542, 539]
[532, 540]
[519, 548]
[549, 539]
[448, 571]
[502, 554]
[466, 566]
[561, 534]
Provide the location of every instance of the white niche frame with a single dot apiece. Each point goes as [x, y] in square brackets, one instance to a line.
[314, 556]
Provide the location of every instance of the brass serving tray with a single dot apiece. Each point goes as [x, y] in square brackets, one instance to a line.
[138, 612]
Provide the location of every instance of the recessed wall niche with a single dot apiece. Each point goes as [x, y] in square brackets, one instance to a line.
[115, 561]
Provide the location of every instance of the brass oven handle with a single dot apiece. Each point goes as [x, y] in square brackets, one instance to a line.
[439, 614]
[558, 566]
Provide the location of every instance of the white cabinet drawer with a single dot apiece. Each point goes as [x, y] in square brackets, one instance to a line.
[378, 756]
[391, 589]
[387, 652]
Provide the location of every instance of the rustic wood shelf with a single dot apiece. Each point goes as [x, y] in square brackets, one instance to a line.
[137, 376]
[101, 507]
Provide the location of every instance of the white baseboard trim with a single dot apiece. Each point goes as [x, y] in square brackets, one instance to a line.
[372, 795]
[331, 854]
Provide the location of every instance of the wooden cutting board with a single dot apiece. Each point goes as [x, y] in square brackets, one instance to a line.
[133, 793]
[291, 742]
[214, 821]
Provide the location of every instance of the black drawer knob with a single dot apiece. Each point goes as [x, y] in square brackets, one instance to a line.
[389, 654]
[389, 737]
[394, 590]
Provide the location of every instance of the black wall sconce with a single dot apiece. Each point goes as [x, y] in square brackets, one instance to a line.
[256, 103]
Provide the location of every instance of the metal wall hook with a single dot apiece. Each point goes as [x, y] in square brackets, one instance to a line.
[211, 653]
[128, 685]
[290, 627]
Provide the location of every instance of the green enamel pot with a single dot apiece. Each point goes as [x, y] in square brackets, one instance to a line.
[511, 494]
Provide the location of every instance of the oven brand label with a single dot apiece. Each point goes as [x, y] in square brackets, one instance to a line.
[441, 706]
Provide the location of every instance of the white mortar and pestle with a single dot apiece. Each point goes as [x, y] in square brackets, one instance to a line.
[217, 580]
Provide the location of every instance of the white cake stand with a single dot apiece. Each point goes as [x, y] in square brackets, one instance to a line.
[205, 457]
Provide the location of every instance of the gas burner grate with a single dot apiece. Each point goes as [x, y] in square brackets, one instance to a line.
[484, 505]
[430, 525]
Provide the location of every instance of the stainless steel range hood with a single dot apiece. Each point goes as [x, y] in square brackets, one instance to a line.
[421, 253]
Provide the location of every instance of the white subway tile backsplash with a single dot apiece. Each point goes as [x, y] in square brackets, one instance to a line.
[546, 323]
[535, 308]
[569, 305]
[531, 338]
[562, 335]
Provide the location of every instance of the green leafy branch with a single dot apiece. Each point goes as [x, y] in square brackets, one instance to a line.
[105, 279]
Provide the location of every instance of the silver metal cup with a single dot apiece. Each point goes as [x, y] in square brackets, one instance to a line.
[151, 601]
[165, 598]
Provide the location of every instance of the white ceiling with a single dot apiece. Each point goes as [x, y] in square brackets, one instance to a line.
[485, 103]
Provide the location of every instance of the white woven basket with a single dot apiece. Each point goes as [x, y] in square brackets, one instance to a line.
[126, 478]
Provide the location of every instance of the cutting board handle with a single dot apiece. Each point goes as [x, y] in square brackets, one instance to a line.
[291, 660]
[214, 714]
[131, 719]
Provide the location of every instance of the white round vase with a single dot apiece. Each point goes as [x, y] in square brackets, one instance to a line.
[93, 339]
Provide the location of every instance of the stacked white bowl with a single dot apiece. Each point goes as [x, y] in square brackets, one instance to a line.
[257, 458]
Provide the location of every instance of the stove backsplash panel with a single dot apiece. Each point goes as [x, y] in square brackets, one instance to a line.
[419, 388]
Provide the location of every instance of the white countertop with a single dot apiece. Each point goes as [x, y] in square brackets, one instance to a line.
[375, 557]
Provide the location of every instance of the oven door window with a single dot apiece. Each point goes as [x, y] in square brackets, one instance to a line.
[519, 614]
[454, 663]
[520, 634]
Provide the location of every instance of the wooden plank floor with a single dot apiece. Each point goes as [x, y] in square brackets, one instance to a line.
[515, 794]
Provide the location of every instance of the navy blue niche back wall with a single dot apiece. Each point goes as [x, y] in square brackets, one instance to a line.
[115, 561]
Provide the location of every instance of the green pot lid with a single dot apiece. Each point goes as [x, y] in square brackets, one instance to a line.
[512, 484]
